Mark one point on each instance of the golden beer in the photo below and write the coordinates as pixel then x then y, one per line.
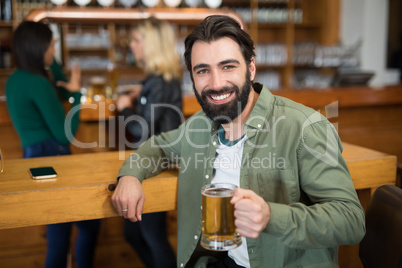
pixel 98 84
pixel 218 228
pixel 113 74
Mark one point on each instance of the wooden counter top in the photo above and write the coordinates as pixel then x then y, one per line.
pixel 81 190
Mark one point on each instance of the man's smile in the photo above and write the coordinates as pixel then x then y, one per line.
pixel 220 98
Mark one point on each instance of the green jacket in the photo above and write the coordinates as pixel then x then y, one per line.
pixel 291 158
pixel 35 106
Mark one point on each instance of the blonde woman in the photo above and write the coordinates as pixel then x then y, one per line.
pixel 159 105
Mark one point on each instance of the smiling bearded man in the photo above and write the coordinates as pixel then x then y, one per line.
pixel 292 215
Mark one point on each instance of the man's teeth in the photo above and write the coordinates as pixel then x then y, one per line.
pixel 220 97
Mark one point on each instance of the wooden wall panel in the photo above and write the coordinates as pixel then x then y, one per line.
pixel 26 247
pixel 10 142
pixel 375 127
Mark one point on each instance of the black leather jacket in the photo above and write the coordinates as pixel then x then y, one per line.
pixel 159 107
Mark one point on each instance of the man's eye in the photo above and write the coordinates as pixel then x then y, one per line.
pixel 202 71
pixel 228 67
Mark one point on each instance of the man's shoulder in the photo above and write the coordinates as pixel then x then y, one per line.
pixel 280 104
pixel 200 120
pixel 293 108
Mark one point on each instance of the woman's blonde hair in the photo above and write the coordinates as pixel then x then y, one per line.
pixel 161 57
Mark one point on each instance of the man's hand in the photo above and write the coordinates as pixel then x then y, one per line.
pixel 251 211
pixel 128 198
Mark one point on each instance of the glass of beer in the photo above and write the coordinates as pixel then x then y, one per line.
pixel 218 228
pixel 98 84
pixel 113 74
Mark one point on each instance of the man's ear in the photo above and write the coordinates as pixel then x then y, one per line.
pixel 252 69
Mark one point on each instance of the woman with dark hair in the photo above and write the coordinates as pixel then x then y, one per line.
pixel 35 92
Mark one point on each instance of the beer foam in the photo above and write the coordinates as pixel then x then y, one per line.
pixel 219 192
pixel 98 80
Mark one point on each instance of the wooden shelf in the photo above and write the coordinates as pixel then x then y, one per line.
pixel 88 49
pixel 320 24
pixel 281 25
pixel 6 71
pixel 182 16
pixel 6 24
pixel 270 66
pixel 309 24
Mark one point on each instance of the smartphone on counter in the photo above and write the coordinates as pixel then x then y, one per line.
pixel 41 173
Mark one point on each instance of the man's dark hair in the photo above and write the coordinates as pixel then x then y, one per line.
pixel 30 42
pixel 215 27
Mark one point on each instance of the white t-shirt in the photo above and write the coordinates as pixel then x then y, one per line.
pixel 227 169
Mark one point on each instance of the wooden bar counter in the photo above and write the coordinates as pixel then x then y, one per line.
pixel 81 190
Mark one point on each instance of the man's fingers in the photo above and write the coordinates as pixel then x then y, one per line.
pixel 128 198
pixel 240 194
pixel 244 228
pixel 251 211
pixel 130 214
pixel 120 206
pixel 116 204
pixel 140 207
pixel 135 210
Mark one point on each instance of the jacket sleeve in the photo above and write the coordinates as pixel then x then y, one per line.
pixel 151 156
pixel 335 216
pixel 58 75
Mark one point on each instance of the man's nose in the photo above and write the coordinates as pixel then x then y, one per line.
pixel 217 81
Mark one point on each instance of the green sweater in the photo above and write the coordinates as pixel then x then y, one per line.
pixel 35 108
pixel 291 158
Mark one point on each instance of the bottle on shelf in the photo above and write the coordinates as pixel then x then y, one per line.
pixel 1 9
pixel 1 57
pixel 6 55
pixel 6 10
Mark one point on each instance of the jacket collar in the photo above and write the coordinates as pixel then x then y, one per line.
pixel 258 115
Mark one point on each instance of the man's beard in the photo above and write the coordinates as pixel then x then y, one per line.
pixel 226 112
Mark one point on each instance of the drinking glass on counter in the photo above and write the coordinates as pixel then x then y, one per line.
pixel 104 85
pixel 97 90
pixel 218 227
pixel 113 74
